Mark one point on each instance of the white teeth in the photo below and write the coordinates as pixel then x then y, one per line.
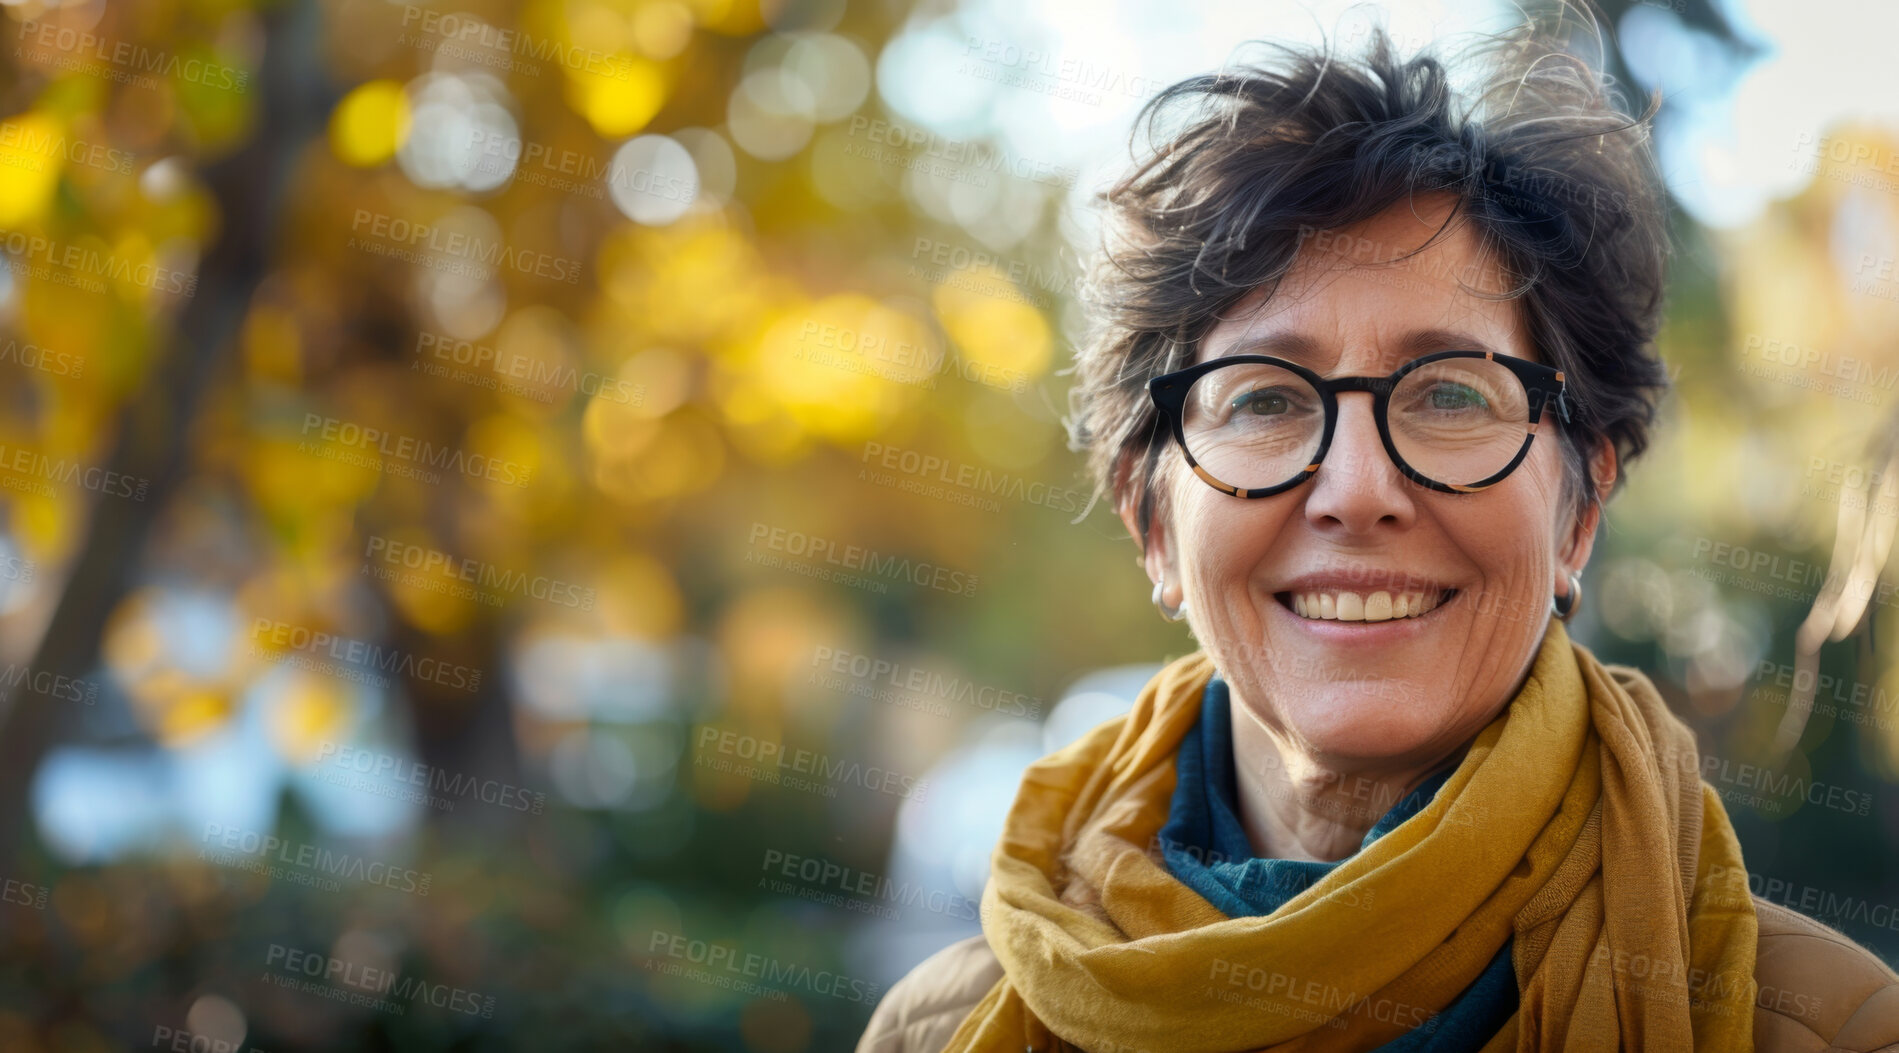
pixel 1379 606
pixel 1352 607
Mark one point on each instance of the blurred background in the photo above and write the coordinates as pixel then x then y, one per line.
pixel 545 524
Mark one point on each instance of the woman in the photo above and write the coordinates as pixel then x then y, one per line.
pixel 1367 367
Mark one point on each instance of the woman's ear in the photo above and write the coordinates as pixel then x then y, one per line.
pixel 1157 555
pixel 1582 538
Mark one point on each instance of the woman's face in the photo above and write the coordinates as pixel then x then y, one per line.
pixel 1373 693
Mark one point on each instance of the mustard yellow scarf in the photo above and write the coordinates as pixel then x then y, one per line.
pixel 1576 822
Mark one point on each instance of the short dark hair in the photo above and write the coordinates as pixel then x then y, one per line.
pixel 1555 175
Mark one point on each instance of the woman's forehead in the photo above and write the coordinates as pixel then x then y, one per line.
pixel 1339 303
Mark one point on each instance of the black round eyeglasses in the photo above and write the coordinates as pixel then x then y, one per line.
pixel 1453 421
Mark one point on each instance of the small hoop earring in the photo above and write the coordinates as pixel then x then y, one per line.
pixel 1564 607
pixel 1172 614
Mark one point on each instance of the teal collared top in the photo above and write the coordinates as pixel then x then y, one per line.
pixel 1207 849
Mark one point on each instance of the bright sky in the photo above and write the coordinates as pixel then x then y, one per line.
pixel 1729 148
pixel 1822 63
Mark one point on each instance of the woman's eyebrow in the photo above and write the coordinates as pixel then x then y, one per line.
pixel 1306 349
pixel 1296 346
pixel 1424 341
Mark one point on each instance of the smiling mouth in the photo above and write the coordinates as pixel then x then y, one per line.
pixel 1337 605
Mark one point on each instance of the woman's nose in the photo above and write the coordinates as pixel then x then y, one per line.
pixel 1357 486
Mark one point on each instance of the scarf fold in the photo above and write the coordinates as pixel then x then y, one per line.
pixel 1206 847
pixel 1576 826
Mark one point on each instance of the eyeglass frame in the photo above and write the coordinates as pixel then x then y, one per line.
pixel 1541 384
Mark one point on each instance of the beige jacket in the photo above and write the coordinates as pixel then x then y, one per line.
pixel 1819 993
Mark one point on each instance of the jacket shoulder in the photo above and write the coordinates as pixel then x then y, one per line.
pixel 921 1011
pixel 1818 989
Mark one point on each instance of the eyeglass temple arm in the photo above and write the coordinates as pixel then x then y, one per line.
pixel 1558 395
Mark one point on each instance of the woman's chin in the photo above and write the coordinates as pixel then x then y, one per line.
pixel 1337 721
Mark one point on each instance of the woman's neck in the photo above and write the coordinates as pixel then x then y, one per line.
pixel 1294 806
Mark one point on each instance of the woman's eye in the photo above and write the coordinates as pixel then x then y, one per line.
pixel 1265 402
pixel 1452 396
